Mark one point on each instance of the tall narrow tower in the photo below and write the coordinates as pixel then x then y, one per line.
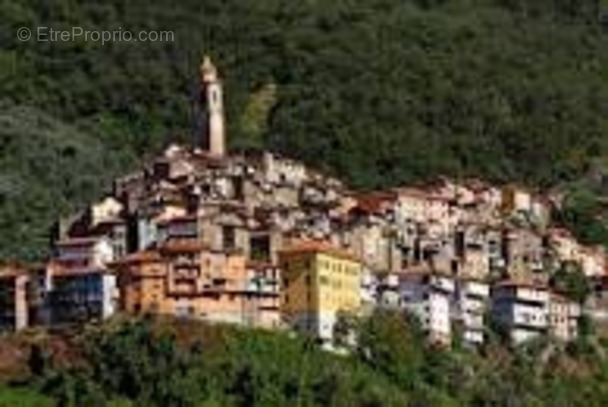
pixel 211 95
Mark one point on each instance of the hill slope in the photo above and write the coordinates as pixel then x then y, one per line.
pixel 179 363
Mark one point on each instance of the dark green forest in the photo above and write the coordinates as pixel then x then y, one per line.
pixel 164 363
pixel 379 92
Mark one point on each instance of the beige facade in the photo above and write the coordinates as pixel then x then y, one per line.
pixel 108 210
pixel 14 281
pixel 184 279
pixel 563 318
pixel 211 88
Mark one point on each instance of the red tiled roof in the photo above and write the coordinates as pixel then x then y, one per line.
pixel 373 202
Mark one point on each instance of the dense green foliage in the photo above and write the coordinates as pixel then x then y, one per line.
pixel 147 363
pixel 37 178
pixel 23 398
pixel 151 366
pixel 378 91
pixel 583 212
pixel 570 280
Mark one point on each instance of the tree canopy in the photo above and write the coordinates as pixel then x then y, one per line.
pixel 181 364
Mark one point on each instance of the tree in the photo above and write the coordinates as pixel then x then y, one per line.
pixel 392 343
pixel 570 280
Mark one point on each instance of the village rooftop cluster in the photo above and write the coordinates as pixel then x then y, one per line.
pixel 259 240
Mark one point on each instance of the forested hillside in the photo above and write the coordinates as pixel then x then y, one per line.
pixel 186 364
pixel 377 91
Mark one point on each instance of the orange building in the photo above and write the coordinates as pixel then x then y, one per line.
pixel 262 295
pixel 185 279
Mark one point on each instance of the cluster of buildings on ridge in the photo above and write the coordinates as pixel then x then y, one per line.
pixel 260 240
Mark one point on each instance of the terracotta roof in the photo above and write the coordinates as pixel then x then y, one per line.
pixel 255 264
pixel 314 246
pixel 427 194
pixel 11 269
pixel 416 269
pixel 561 232
pixel 421 271
pixel 79 241
pixel 522 284
pixel 59 269
pixel 145 256
pixel 517 188
pixel 373 202
pixel 411 191
pixel 477 185
pixel 179 246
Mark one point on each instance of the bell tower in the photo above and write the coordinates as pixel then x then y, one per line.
pixel 211 96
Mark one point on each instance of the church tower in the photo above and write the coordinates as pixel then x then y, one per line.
pixel 211 96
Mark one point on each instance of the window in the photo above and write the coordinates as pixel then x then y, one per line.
pixel 229 237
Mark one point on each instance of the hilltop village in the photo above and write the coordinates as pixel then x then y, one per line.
pixel 261 240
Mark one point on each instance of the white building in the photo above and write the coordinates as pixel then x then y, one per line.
pixel 429 297
pixel 80 287
pixel 470 306
pixel 93 252
pixel 387 291
pixel 369 289
pixel 563 318
pixel 522 309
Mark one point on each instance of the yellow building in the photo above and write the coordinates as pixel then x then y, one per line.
pixel 318 283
